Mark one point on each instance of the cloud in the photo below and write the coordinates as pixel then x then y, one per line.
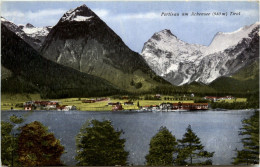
pixel 13 14
pixel 45 13
pixel 102 12
pixel 51 16
pixel 38 18
pixel 248 13
pixel 147 15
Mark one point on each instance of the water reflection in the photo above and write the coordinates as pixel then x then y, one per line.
pixel 218 130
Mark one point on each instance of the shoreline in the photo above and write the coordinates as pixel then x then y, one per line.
pixel 135 111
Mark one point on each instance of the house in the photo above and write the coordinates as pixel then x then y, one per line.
pixel 155 107
pixel 112 104
pixel 230 97
pixel 37 103
pixel 61 108
pixel 89 101
pixel 66 108
pixel 101 99
pixel 124 97
pixel 166 106
pixel 29 107
pixel 157 96
pixel 190 106
pixel 176 106
pixel 213 98
pixel 71 107
pixel 117 107
pixel 28 103
pixel 226 98
pixel 145 108
pixel 44 103
pixel 128 103
pixel 51 105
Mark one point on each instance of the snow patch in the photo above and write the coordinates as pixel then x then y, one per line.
pixel 75 15
pixel 3 19
pixel 82 18
pixel 36 31
pixel 165 53
pixel 226 40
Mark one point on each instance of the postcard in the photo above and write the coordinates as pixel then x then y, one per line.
pixel 106 83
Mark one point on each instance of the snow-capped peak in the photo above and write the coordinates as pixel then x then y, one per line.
pixel 180 62
pixel 28 25
pixel 166 31
pixel 79 14
pixel 3 19
pixel 32 31
pixel 223 40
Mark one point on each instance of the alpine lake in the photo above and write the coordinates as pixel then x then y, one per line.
pixel 218 130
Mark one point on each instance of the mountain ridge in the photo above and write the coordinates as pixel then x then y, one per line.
pixel 92 47
pixel 32 35
pixel 30 73
pixel 179 62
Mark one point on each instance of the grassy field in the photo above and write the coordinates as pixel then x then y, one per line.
pixel 9 101
pixel 234 100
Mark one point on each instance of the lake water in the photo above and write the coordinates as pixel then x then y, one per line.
pixel 218 130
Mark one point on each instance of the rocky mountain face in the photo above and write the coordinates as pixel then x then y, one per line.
pixel 81 40
pixel 37 33
pixel 24 70
pixel 180 62
pixel 30 34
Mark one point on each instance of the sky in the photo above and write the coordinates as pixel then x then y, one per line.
pixel 135 22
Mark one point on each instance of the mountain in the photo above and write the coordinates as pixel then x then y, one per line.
pixel 81 40
pixel 26 71
pixel 179 62
pixel 245 80
pixel 18 31
pixel 34 36
pixel 37 33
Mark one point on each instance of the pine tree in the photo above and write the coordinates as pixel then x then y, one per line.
pixel 162 147
pixel 7 145
pixel 38 147
pixel 191 151
pixel 250 153
pixel 138 105
pixel 99 144
pixel 9 141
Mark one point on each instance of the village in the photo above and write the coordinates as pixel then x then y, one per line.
pixel 152 103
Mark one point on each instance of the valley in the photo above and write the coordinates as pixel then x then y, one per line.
pixel 82 57
pixel 116 83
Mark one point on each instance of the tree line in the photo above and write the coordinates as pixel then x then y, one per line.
pixel 99 144
pixel 235 105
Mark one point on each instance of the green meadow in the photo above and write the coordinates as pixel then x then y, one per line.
pixel 14 101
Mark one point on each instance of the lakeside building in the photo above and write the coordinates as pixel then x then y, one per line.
pixel 47 105
pixel 215 98
pixel 128 103
pixel 117 107
pixel 66 108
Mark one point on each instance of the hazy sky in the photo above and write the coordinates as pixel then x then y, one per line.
pixel 136 22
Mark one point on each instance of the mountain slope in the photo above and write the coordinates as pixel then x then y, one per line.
pixel 37 33
pixel 31 73
pixel 81 40
pixel 18 31
pixel 180 62
pixel 246 80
